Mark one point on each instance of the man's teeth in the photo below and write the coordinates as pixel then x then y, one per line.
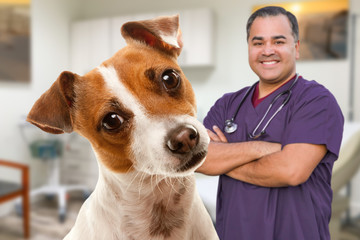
pixel 268 63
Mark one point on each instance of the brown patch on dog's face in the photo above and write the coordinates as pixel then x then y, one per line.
pixel 165 221
pixel 93 106
pixel 155 80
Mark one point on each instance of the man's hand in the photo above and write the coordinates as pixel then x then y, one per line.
pixel 217 135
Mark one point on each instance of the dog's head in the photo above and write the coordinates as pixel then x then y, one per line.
pixel 137 108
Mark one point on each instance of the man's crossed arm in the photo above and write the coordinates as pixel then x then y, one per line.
pixel 261 163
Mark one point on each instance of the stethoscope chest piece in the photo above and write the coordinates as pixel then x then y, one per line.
pixel 230 126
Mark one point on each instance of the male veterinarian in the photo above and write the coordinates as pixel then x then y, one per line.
pixel 274 144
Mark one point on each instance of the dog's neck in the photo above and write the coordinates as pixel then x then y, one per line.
pixel 146 205
pixel 139 185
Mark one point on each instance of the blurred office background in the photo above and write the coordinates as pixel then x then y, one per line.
pixel 79 35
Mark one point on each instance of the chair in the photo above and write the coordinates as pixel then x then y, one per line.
pixel 49 149
pixel 9 191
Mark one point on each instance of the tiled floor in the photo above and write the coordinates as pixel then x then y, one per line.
pixel 45 224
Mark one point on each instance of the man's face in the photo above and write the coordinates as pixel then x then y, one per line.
pixel 272 49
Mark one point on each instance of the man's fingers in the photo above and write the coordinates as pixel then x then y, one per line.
pixel 220 134
pixel 213 136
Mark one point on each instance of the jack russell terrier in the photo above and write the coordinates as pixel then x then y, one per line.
pixel 137 109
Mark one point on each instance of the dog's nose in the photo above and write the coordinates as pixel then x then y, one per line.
pixel 183 140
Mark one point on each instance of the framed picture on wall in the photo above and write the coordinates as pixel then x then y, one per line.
pixel 323 27
pixel 15 41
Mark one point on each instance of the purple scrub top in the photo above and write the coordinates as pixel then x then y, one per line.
pixel 248 212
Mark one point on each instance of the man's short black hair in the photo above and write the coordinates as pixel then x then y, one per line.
pixel 274 11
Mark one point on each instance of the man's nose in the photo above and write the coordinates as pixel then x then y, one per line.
pixel 268 49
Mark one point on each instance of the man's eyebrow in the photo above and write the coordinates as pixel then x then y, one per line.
pixel 257 38
pixel 278 37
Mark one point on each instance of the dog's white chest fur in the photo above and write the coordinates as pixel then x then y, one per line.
pixel 143 208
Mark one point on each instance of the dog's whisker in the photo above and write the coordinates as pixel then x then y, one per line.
pixel 182 181
pixel 173 185
pixel 131 182
pixel 168 181
pixel 158 182
pixel 151 184
pixel 169 197
pixel 154 178
pixel 139 176
pixel 142 179
pixel 187 183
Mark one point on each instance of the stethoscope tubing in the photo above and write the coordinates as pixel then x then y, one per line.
pixel 231 127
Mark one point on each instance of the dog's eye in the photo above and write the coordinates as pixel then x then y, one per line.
pixel 170 79
pixel 112 121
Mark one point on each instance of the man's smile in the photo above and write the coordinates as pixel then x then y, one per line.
pixel 269 62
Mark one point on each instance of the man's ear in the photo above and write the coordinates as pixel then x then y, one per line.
pixel 297 49
pixel 162 33
pixel 52 111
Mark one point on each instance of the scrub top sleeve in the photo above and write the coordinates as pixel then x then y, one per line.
pixel 317 120
pixel 217 113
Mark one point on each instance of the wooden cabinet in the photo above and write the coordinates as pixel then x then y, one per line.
pixel 95 40
pixel 198 35
pixel 90 44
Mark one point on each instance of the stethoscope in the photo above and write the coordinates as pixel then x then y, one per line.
pixel 231 127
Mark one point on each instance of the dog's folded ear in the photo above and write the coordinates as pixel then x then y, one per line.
pixel 52 111
pixel 162 33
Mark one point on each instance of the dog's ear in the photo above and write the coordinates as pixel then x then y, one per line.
pixel 162 33
pixel 51 112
